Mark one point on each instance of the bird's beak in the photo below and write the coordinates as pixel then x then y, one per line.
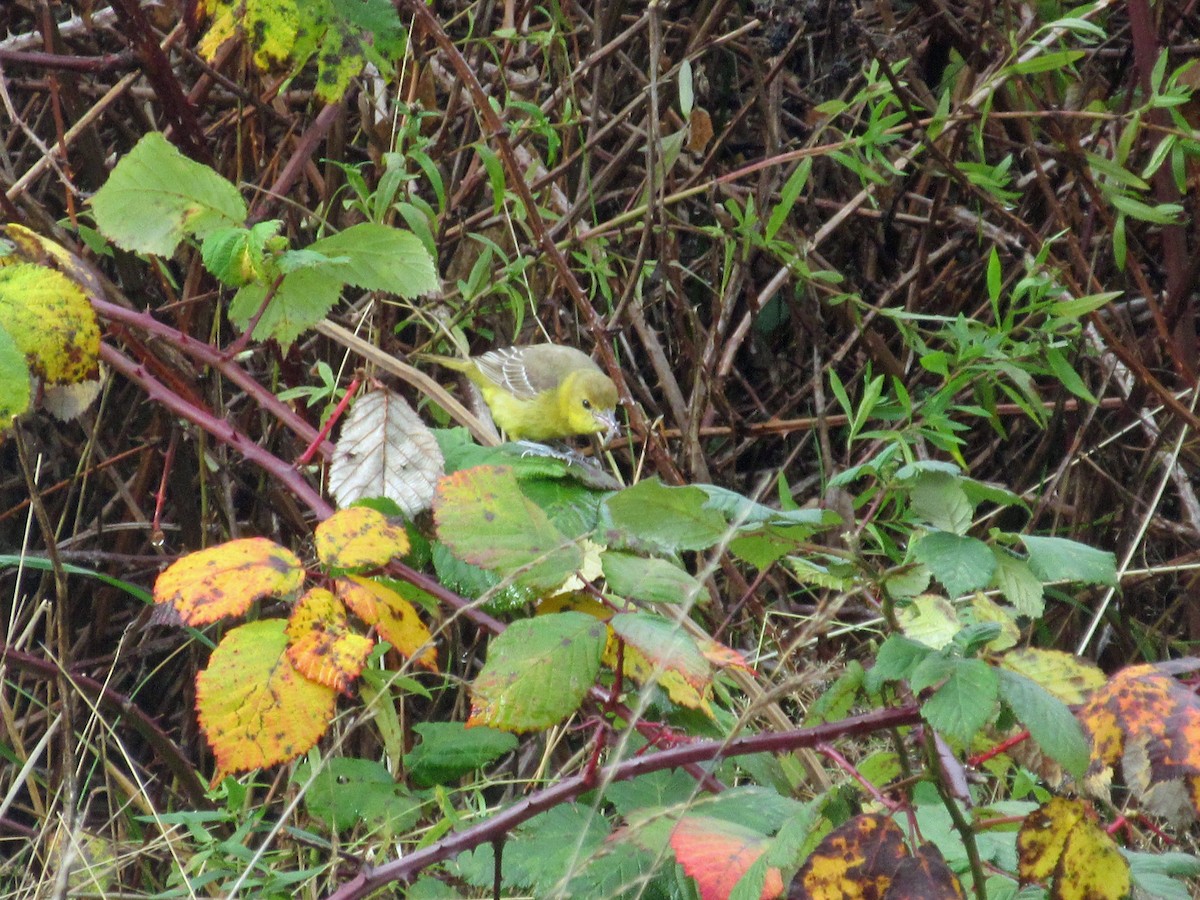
pixel 608 418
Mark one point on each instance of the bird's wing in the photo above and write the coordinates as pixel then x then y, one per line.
pixel 507 368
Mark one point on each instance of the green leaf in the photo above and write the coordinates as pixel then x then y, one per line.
pixel 654 789
pixel 788 195
pixel 1159 214
pixel 667 518
pixel 929 619
pixel 960 563
pixel 1046 62
pixel 658 649
pixel 14 381
pixel 472 581
pixel 965 703
pixel 1066 374
pixel 449 750
pixel 982 492
pixel 571 506
pixel 483 516
pixel 897 659
pixel 939 500
pixel 380 258
pixel 995 277
pixel 687 95
pixel 538 671
pixel 302 299
pixel 746 513
pixel 1018 584
pixel 1081 306
pixel 1060 559
pixel 932 670
pixel 837 701
pixel 1120 244
pixel 762 549
pixel 552 844
pixel 349 791
pixel 652 580
pixel 236 255
pixel 156 197
pixel 907 581
pixel 1049 720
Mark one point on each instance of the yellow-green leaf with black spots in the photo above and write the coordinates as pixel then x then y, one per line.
pixel 359 537
pixel 49 319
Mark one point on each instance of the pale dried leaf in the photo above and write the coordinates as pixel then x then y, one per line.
pixel 385 450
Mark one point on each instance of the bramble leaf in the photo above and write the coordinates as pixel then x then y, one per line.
pixel 156 197
pixel 861 855
pixel 651 579
pixel 255 708
pixel 392 616
pixel 658 650
pixel 323 648
pixel 960 563
pixel 357 538
pixel 1061 840
pixel 665 518
pixel 537 672
pixel 224 580
pixel 716 853
pixel 484 518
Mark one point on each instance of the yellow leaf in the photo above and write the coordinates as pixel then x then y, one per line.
pixel 359 537
pixel 224 580
pixel 1043 837
pixel 392 616
pixel 51 321
pixel 1062 840
pixel 857 859
pixel 255 708
pixel 268 26
pixel 656 650
pixel 323 647
pixel 1064 675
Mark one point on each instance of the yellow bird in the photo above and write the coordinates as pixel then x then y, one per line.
pixel 541 392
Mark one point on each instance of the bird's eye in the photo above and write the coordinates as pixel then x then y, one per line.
pixel 587 404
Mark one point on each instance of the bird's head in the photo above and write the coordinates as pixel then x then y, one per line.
pixel 589 401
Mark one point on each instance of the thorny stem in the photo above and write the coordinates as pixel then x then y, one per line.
pixel 961 825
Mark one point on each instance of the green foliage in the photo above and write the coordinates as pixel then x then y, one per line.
pixel 156 198
pixel 344 792
pixel 912 601
pixel 449 750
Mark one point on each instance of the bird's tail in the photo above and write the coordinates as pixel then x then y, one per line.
pixel 458 364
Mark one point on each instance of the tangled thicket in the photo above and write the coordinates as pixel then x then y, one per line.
pixel 947 165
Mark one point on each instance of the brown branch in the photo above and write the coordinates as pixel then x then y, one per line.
pixel 406 868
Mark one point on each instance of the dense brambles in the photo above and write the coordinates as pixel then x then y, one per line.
pixel 916 279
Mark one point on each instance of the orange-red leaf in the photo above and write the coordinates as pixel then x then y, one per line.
pixel 322 646
pixel 1149 723
pixel 717 853
pixel 224 580
pixel 721 656
pixel 358 537
pixel 392 616
pixel 857 859
pixel 255 708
